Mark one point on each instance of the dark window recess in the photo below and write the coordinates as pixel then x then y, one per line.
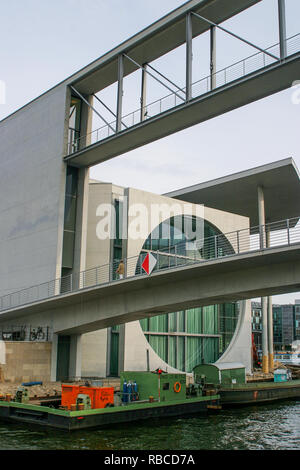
pixel 70 217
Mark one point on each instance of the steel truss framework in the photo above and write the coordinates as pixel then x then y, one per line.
pixel 182 96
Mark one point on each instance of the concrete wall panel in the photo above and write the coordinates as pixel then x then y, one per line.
pixel 32 177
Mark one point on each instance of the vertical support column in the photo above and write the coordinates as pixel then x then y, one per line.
pixel 144 93
pixel 54 358
pixel 75 357
pixel 264 306
pixel 261 217
pixel 265 355
pixel 120 92
pixel 270 318
pixel 189 56
pixel 213 57
pixel 282 28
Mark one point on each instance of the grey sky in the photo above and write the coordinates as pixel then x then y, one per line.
pixel 43 42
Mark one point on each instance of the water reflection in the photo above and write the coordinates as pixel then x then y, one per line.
pixel 268 427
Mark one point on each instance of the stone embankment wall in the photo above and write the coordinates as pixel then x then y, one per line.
pixel 26 361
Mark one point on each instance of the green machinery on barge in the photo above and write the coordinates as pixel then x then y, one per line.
pixel 157 395
pixel 229 382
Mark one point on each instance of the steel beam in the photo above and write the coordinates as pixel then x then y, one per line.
pixel 107 107
pixel 189 56
pixel 120 92
pixel 213 57
pixel 153 76
pixel 91 107
pixel 166 78
pixel 236 36
pixel 144 93
pixel 282 28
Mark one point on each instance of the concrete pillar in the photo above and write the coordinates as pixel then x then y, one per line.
pixel 189 56
pixel 270 319
pixel 261 217
pixel 213 57
pixel 270 334
pixel 282 28
pixel 75 357
pixel 54 358
pixel 264 300
pixel 120 91
pixel 144 92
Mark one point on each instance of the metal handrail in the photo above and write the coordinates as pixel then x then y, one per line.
pixel 248 240
pixel 224 71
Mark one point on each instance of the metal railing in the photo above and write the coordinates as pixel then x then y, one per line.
pixel 227 75
pixel 278 234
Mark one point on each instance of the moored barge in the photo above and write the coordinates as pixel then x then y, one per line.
pixel 156 395
pixel 228 380
pixel 260 392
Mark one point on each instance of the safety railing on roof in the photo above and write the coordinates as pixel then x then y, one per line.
pixel 250 240
pixel 201 87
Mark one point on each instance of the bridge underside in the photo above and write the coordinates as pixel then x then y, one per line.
pixel 274 271
pixel 255 86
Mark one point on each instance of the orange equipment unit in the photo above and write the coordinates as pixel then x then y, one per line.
pixel 69 395
pixel 101 397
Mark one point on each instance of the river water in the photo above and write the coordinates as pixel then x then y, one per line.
pixel 267 427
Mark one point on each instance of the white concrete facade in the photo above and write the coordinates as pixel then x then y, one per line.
pixel 32 178
pixel 137 353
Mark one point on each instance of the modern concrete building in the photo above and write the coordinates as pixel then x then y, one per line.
pixel 174 341
pixel 50 216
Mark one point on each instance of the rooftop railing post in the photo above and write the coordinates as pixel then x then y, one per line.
pixel 238 241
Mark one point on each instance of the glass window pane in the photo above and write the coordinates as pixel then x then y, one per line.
pixel 172 351
pixel 194 353
pixel 159 344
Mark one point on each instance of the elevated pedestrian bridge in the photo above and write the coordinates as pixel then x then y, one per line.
pixel 242 267
pixel 253 78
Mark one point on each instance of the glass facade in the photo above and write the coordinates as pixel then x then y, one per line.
pixel 277 328
pixel 173 237
pixel 200 335
pixel 286 325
